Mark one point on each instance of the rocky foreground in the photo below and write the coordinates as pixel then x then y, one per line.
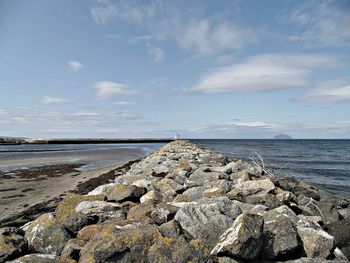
pixel 185 203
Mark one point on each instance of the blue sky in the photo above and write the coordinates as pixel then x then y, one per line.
pixel 205 69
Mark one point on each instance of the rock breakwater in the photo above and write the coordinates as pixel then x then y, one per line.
pixel 185 203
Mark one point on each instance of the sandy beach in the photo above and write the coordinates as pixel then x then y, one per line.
pixel 27 188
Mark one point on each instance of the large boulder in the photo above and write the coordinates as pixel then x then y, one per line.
pixel 243 239
pixel 280 235
pixel 12 243
pixel 341 232
pixel 317 243
pixel 203 222
pixel 123 242
pixel 72 249
pixel 88 232
pixel 46 235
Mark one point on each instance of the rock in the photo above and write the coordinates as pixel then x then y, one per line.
pixel 42 258
pixel 223 205
pixel 101 190
pixel 12 243
pixel 121 192
pixel 203 222
pixel 243 239
pixel 194 192
pixel 200 177
pixel 88 232
pixel 72 249
pixel 314 260
pixel 341 232
pixel 280 235
pixel 67 206
pixel 170 229
pixel 125 242
pixel 213 192
pixel 240 177
pixel 141 211
pixel 285 197
pixel 316 242
pixel 177 251
pixel 259 186
pixel 152 196
pixel 101 210
pixel 268 200
pixel 344 213
pixel 163 213
pixel 46 235
pixel 168 185
pixel 75 222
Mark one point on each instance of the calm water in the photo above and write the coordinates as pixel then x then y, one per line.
pixel 92 155
pixel 325 163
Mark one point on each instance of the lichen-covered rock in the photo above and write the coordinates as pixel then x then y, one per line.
pixel 72 249
pixel 121 192
pixel 12 243
pixel 243 239
pixel 123 242
pixel 200 177
pixel 170 229
pixel 178 251
pixel 280 235
pixel 268 200
pixel 88 232
pixel 67 206
pixel 42 258
pixel 141 211
pixel 46 235
pixel 203 221
pixel 317 243
pixel 259 186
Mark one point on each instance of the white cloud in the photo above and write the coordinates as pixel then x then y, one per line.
pixel 75 65
pixel 109 89
pixel 186 23
pixel 264 73
pixel 329 91
pixel 124 103
pixel 321 22
pixel 48 100
pixel 156 53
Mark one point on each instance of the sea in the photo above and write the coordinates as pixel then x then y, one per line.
pixel 324 163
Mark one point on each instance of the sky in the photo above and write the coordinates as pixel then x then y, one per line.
pixel 204 69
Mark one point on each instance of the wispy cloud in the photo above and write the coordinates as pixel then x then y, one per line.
pixel 124 103
pixel 329 91
pixel 156 53
pixel 186 23
pixel 48 100
pixel 75 65
pixel 109 89
pixel 321 23
pixel 264 73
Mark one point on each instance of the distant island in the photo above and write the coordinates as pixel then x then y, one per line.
pixel 282 137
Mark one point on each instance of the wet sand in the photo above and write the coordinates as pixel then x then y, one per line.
pixel 26 193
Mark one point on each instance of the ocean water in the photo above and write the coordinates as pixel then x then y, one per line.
pixel 324 163
pixel 93 156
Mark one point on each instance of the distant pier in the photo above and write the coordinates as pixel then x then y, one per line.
pixel 99 140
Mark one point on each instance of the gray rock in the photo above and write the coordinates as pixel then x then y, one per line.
pixel 344 213
pixel 316 242
pixel 46 235
pixel 194 192
pixel 203 221
pixel 120 192
pixel 200 177
pixel 268 200
pixel 280 235
pixel 243 239
pixel 341 232
pixel 152 196
pixel 12 243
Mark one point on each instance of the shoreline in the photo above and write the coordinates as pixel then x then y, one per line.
pixel 21 203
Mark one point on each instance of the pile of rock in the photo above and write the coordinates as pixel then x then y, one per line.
pixel 185 203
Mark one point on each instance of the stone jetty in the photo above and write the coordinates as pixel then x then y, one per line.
pixel 185 203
